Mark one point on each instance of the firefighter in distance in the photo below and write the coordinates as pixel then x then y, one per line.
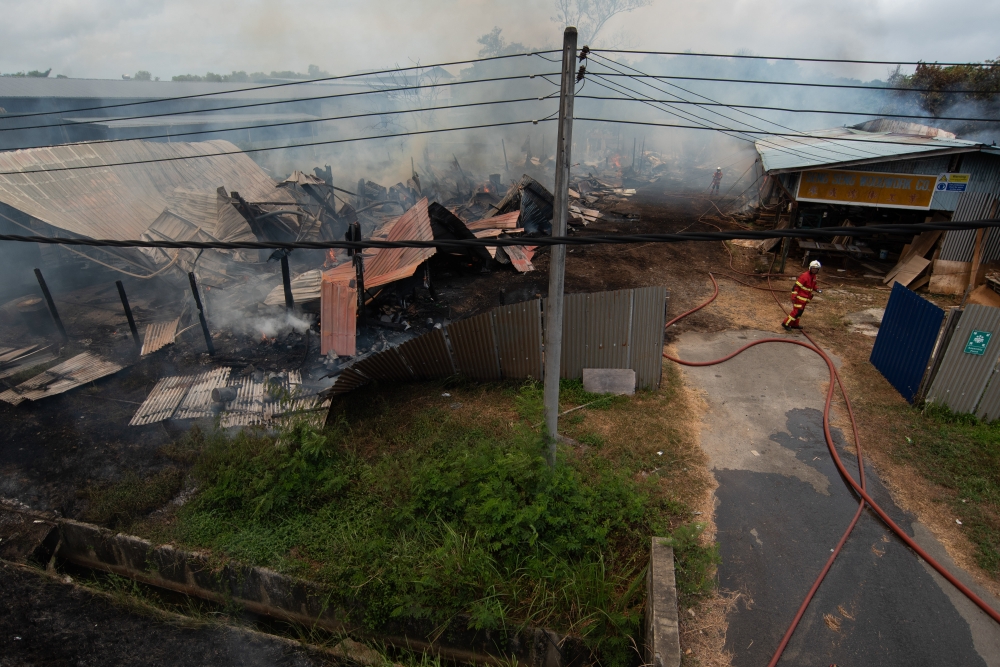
pixel 802 293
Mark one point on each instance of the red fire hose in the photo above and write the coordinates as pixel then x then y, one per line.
pixel 859 488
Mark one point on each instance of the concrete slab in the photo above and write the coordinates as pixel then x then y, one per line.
pixel 609 380
pixel 663 638
pixel 781 507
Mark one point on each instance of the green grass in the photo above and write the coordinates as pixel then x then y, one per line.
pixel 962 454
pixel 122 503
pixel 406 507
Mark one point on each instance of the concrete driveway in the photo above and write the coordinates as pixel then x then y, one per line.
pixel 781 507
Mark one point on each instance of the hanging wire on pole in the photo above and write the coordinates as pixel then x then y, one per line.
pixel 283 84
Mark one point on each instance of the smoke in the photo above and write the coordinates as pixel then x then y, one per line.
pixel 276 327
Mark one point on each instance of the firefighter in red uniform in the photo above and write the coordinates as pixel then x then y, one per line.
pixel 802 293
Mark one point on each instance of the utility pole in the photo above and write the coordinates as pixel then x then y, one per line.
pixel 557 257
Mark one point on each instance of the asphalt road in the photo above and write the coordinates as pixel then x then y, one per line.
pixel 781 507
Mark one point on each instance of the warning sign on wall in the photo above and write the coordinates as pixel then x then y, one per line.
pixel 867 188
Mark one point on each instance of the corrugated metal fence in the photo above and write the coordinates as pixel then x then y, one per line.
pixel 619 329
pixel 963 380
pixel 906 339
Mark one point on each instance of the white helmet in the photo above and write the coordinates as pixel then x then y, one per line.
pixel 814 264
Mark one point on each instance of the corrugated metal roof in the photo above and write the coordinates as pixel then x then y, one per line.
pixel 79 370
pixel 338 318
pixel 122 202
pixel 197 402
pixel 520 256
pixel 159 335
pixel 231 119
pixel 505 221
pixel 386 366
pixel 414 225
pixel 163 400
pixel 961 377
pixel 519 339
pixel 834 147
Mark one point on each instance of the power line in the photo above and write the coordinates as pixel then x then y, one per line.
pixel 691 92
pixel 274 148
pixel 808 60
pixel 818 111
pixel 764 133
pixel 273 102
pixel 277 85
pixel 803 83
pixel 596 239
pixel 785 149
pixel 290 122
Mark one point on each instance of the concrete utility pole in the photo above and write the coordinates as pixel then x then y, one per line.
pixel 557 264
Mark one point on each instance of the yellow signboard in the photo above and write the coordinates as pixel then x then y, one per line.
pixel 867 188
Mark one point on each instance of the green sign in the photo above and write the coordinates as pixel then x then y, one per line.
pixel 978 341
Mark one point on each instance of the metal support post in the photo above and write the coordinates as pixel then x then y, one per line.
pixel 557 257
pixel 128 315
pixel 201 314
pixel 286 282
pixel 52 306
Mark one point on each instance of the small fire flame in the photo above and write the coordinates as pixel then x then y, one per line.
pixel 331 258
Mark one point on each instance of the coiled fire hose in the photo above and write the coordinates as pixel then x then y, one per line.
pixel 859 488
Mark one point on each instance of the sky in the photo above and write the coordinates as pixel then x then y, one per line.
pixel 109 38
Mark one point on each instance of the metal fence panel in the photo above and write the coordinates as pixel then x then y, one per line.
pixel 906 339
pixel 475 346
pixel 385 366
pixel 989 407
pixel 609 323
pixel 648 317
pixel 428 355
pixel 960 381
pixel 574 343
pixel 519 339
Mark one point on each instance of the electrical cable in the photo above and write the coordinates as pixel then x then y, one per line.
pixel 808 85
pixel 809 60
pixel 789 110
pixel 756 132
pixel 292 122
pixel 265 149
pixel 277 85
pixel 274 102
pixel 576 240
pixel 691 92
pixel 859 489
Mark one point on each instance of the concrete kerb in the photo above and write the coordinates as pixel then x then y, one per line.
pixel 663 638
pixel 268 593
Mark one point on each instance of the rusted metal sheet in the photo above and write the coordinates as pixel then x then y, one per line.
pixel 576 308
pixel 520 257
pixel 428 355
pixel 519 339
pixel 385 366
pixel 338 318
pixel 474 344
pixel 962 377
pixel 609 324
pixel 505 221
pixel 197 403
pixel 648 319
pixel 414 225
pixel 159 335
pixel 79 370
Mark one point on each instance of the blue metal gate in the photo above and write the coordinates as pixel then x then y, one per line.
pixel 906 339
